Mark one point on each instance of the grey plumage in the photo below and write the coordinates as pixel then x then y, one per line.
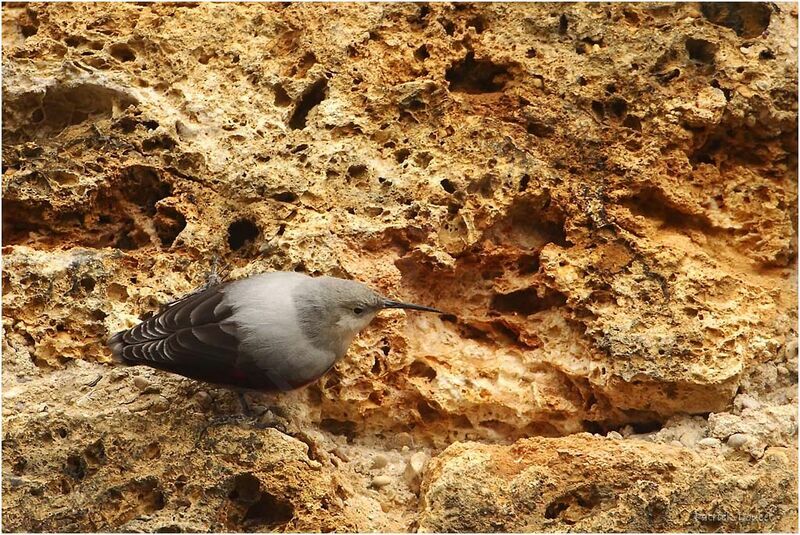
pixel 274 331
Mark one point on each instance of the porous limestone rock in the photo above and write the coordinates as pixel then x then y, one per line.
pixel 603 196
pixel 584 483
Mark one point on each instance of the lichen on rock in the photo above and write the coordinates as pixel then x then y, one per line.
pixel 603 196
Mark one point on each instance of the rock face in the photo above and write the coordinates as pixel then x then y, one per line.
pixel 581 483
pixel 605 197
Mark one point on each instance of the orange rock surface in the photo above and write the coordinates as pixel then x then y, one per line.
pixel 604 196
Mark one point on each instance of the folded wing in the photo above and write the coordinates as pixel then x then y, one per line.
pixel 193 336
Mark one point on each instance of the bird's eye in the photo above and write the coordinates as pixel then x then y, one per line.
pixel 358 311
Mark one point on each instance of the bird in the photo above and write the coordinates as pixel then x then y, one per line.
pixel 274 331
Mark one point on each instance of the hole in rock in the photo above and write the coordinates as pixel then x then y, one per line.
pixel 29 30
pixel 504 331
pixel 269 511
pixel 153 500
pixel 578 503
pixel 448 25
pixel 484 185
pixel 421 54
pixel 701 50
pixel 422 369
pixel 122 52
pixel 666 77
pixel 477 22
pixel 73 41
pixel 64 178
pixel 357 171
pixel 152 451
pixel 563 24
pixel 67 105
pixel 75 467
pixel 344 428
pixel 240 233
pixel 401 155
pixel 618 107
pixel 528 264
pixel 766 54
pixel 143 185
pixel 708 152
pixel 286 196
pixel 646 427
pixel 448 185
pixel 526 302
pixel 477 76
pixel 19 466
pixel 311 98
pixel 427 411
pixel 163 142
pixel 420 19
pixel 168 223
pixel 300 148
pixel 423 159
pixel 169 528
pixel 539 129
pixel 747 19
pixel 281 96
pixel 599 109
pixel 633 122
pixel 88 284
pixel 95 453
pixel 246 488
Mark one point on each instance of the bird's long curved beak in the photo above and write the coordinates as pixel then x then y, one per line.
pixel 388 303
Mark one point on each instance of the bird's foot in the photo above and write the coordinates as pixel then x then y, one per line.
pixel 216 275
pixel 254 417
pixel 228 419
pixel 264 417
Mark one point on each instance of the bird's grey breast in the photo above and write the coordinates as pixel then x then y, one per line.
pixel 270 333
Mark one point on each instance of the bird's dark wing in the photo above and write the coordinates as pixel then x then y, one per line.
pixel 194 333
pixel 195 337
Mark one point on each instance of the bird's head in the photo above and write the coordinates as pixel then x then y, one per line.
pixel 332 311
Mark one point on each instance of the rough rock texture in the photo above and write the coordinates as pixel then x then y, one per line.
pixel 603 195
pixel 582 483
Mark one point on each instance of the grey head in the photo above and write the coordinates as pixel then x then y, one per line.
pixel 332 311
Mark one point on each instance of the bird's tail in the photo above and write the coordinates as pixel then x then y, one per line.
pixel 117 344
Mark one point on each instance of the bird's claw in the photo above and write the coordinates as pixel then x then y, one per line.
pixel 249 418
pixel 228 419
pixel 216 275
